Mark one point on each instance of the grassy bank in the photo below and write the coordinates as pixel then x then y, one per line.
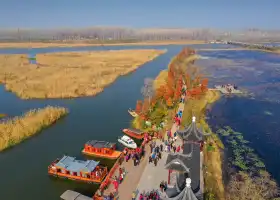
pixel 213 175
pixel 95 43
pixel 69 74
pixel 17 129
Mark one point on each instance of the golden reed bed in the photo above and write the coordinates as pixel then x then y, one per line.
pixel 17 129
pixel 81 44
pixel 69 74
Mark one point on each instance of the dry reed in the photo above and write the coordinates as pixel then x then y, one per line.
pixel 80 44
pixel 17 129
pixel 69 74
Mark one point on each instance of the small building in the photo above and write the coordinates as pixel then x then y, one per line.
pixel 187 165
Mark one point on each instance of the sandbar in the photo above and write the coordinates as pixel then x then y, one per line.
pixel 82 44
pixel 15 130
pixel 69 74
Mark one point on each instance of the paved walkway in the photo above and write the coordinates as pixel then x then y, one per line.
pixel 154 175
pixel 131 179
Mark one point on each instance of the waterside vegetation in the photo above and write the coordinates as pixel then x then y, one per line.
pixel 162 95
pixel 167 87
pixel 15 130
pixel 69 74
pixel 249 178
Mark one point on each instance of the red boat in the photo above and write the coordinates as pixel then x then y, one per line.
pixel 87 171
pixel 135 133
pixel 101 149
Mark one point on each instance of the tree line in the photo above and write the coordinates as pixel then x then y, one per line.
pixel 157 103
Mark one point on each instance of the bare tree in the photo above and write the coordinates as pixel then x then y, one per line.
pixel 243 186
pixel 148 89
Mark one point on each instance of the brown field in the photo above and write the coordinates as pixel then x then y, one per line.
pixel 69 74
pixel 17 129
pixel 44 45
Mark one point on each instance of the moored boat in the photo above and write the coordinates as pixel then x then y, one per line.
pixel 101 149
pixel 127 141
pixel 135 133
pixel 132 112
pixel 87 171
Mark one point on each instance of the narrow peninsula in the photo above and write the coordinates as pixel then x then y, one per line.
pixel 17 129
pixel 69 74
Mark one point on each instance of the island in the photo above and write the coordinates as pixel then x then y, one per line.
pixel 69 74
pixel 17 129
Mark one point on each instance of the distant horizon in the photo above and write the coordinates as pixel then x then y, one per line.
pixel 127 27
pixel 218 14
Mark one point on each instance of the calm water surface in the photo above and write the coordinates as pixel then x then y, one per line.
pixel 24 168
pixel 258 117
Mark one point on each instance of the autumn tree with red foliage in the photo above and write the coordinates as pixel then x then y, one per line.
pixel 169 102
pixel 160 92
pixel 169 93
pixel 146 106
pixel 153 102
pixel 139 105
pixel 204 85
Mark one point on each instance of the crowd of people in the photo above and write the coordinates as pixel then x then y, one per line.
pixel 134 154
pixel 152 195
pixel 155 152
pixel 163 186
pixel 170 145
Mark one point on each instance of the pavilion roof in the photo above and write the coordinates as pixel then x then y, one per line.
pixel 188 161
pixel 191 132
pixel 185 194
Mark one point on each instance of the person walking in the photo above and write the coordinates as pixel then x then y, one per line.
pixel 161 147
pixel 174 148
pixel 133 195
pixel 155 162
pixel 151 146
pixel 178 149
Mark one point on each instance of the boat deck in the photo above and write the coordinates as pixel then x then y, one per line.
pixel 114 155
pixel 78 178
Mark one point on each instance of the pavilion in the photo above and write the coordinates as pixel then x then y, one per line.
pixel 186 165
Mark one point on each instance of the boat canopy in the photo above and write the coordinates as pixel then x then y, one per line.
pixel 72 195
pixel 73 165
pixel 137 131
pixel 100 144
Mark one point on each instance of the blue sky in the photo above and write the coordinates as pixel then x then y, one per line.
pixel 232 14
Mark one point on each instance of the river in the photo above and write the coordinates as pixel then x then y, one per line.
pixel 24 167
pixel 257 117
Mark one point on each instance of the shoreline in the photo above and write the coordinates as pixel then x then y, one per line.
pixel 213 159
pixel 50 44
pixel 83 73
pixel 17 129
